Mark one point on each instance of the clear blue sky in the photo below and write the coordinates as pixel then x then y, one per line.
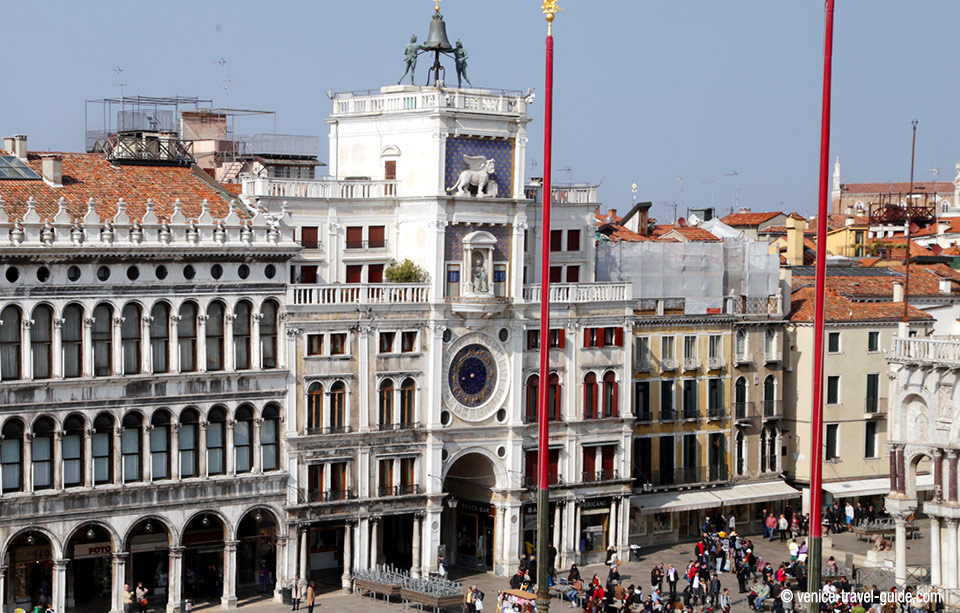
pixel 646 91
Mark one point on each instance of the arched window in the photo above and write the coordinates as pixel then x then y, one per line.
pixel 532 400
pixel 242 439
pixel 102 449
pixel 268 334
pixel 611 395
pixel 772 449
pixel 216 441
pixel 270 438
pixel 314 407
pixel 740 344
pixel 590 396
pixel 130 449
pixel 189 443
pixel 385 404
pixel 41 341
pixel 770 344
pixel 72 445
pixel 338 396
pixel 408 403
pixel 160 446
pixel 763 450
pixel 241 335
pixel 130 338
pixel 741 453
pixel 187 337
pixel 770 396
pixel 10 324
pixel 740 398
pixel 71 341
pixel 554 394
pixel 41 450
pixel 160 337
pixel 11 456
pixel 102 336
pixel 214 331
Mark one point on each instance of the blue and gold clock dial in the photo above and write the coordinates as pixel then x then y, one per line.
pixel 473 375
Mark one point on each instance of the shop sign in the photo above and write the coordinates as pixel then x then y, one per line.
pixel 91 550
pixel 474 507
pixel 33 553
pixel 595 503
pixel 149 542
pixel 593 528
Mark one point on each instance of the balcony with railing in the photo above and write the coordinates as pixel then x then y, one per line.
pixel 644 416
pixel 579 292
pixel 531 482
pixel 405 99
pixel 409 489
pixel 772 409
pixel 688 475
pixel 875 407
pixel 929 351
pixel 329 430
pixel 564 194
pixel 322 188
pixel 597 476
pixel 716 363
pixel 691 413
pixel 744 411
pixel 365 244
pixel 691 364
pixel 716 412
pixel 332 495
pixel 358 293
pixel 644 366
pixel 668 415
pixel 407 425
pixel 668 364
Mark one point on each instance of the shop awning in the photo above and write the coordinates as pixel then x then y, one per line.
pixel 871 487
pixel 668 502
pixel 755 492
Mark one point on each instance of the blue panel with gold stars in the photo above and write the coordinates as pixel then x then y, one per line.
pixel 501 150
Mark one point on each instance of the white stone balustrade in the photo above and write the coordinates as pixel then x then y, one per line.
pixel 939 351
pixel 324 187
pixel 579 292
pixel 359 293
pixel 406 99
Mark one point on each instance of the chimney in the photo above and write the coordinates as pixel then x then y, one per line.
pixel 20 146
pixel 946 286
pixel 897 291
pixel 795 228
pixel 8 144
pixel 744 209
pixel 611 215
pixel 52 169
pixel 848 221
pixel 643 225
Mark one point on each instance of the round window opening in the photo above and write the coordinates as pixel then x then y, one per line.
pixel 270 271
pixel 501 451
pixel 504 335
pixel 12 274
pixel 216 271
pixel 502 415
pixel 189 272
pixel 133 273
pixel 243 271
pixel 161 272
pixel 445 418
pixel 43 274
pixel 444 455
pixel 73 273
pixel 447 335
pixel 103 273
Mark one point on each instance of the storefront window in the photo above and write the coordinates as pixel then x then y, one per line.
pixel 593 528
pixel 638 522
pixel 662 522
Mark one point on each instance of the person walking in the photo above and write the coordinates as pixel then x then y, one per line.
pixel 141 595
pixel 128 597
pixel 468 599
pixel 770 527
pixel 784 526
pixel 725 601
pixel 296 592
pixel 673 575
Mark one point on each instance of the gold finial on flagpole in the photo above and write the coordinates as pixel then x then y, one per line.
pixel 436 5
pixel 550 10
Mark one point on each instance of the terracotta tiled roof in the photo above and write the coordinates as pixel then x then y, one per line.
pixel 234 189
pixel 894 247
pixel 839 309
pixel 924 281
pixel 91 175
pixel 850 189
pixel 693 234
pixel 951 251
pixel 931 230
pixel 748 219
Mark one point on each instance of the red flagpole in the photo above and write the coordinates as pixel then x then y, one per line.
pixel 814 574
pixel 543 415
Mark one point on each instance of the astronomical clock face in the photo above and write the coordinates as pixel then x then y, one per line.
pixel 476 376
pixel 472 376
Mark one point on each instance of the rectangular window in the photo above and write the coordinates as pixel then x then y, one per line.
pixel 308 275
pixel 715 346
pixel 715 397
pixel 354 273
pixel 533 339
pixel 385 477
pixel 355 237
pixel 159 343
pixel 643 350
pixel 873 392
pixel 215 458
pixel 556 240
pixel 408 342
pixel 666 401
pixel 870 440
pixel 408 475
pixel 42 449
pixel 500 280
pixel 666 348
pixel 268 444
pixel 11 454
pixel 833 342
pixel 378 238
pixel 309 237
pixel 556 274
pixel 375 273
pixel 873 341
pixel 188 450
pixel 557 338
pixel 102 461
pixel 159 453
pixel 314 344
pixel 691 392
pixel 338 344
pixel 573 274
pixel 130 449
pixel 241 445
pixel 689 347
pixel 832 451
pixel 610 337
pixel 453 280
pixel 315 482
pixel 589 463
pixel 641 400
pixel 668 456
pixel 338 480
pixel 573 240
pixel 390 170
pixel 72 460
pixel 386 341
pixel 101 333
pixel 833 389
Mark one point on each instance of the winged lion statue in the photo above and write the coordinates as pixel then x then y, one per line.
pixel 478 175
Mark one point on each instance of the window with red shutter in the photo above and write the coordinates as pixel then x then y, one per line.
pixel 377 237
pixel 390 170
pixel 573 274
pixel 308 274
pixel 309 237
pixel 553 468
pixel 354 273
pixel 589 463
pixel 556 274
pixel 599 335
pixel 608 452
pixel 553 401
pixel 618 337
pixel 533 339
pixel 573 240
pixel 355 237
pixel 590 396
pixel 375 273
pixel 530 467
pixel 558 339
pixel 532 398
pixel 556 240
pixel 610 393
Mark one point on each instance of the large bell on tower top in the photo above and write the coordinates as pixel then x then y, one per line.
pixel 437 38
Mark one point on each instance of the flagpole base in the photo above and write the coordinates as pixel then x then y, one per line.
pixel 814 571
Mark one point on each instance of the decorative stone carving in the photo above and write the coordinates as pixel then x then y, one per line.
pixel 477 175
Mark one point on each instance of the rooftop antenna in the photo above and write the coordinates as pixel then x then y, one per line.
pixel 226 82
pixel 119 72
pixel 736 202
pixel 679 181
pixel 569 171
pixel 634 188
